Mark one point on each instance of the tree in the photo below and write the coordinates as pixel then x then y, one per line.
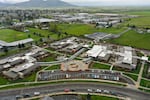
pixel 96 25
pixel 19 46
pixel 5 49
pixel 53 28
pixel 66 33
pixel 48 36
pixel 23 45
pixel 29 36
pixel 88 97
pixel 41 40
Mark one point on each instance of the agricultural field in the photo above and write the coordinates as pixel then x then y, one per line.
pixel 82 29
pixel 134 39
pixel 141 21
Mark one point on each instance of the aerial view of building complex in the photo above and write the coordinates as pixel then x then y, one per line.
pixel 74 49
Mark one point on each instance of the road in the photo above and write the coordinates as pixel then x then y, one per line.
pixel 79 87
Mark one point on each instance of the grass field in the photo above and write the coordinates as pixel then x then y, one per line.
pixel 113 30
pixel 140 13
pixel 9 35
pixel 134 77
pixel 45 33
pixel 133 39
pixel 145 83
pixel 49 58
pixel 94 97
pixel 53 67
pixel 100 66
pixel 141 21
pixel 145 71
pixel 82 29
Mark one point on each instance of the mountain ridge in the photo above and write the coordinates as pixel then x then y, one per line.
pixel 38 3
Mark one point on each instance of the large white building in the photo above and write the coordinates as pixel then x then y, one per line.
pixel 123 58
pixel 97 50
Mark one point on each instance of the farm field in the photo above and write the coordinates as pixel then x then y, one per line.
pixel 133 39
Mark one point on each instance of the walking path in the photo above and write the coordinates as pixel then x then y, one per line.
pixel 140 74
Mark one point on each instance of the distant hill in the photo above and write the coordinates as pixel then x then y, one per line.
pixel 4 4
pixel 39 3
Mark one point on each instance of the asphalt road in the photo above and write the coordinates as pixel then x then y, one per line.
pixel 79 87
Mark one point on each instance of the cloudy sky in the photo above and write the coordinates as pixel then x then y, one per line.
pixel 96 2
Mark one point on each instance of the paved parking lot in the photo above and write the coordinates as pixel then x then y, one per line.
pixel 90 74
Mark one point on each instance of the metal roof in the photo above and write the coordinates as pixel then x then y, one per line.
pixel 3 43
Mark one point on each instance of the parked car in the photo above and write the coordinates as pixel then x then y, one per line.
pixel 36 93
pixel 66 90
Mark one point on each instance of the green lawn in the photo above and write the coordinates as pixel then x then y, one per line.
pixel 94 97
pixel 134 77
pixel 112 30
pixel 45 33
pixel 10 35
pixel 77 29
pixel 145 83
pixel 54 67
pixel 134 39
pixel 145 71
pixel 100 66
pixel 49 58
pixel 141 13
pixel 82 29
pixel 142 21
pixel 13 51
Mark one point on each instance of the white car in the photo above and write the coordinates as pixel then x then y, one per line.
pixel 106 91
pixel 98 90
pixel 89 90
pixel 36 93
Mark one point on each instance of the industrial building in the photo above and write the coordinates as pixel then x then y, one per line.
pixel 125 57
pixel 101 36
pixel 69 45
pixel 15 43
pixel 99 52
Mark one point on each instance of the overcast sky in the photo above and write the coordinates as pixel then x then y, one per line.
pixel 97 2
